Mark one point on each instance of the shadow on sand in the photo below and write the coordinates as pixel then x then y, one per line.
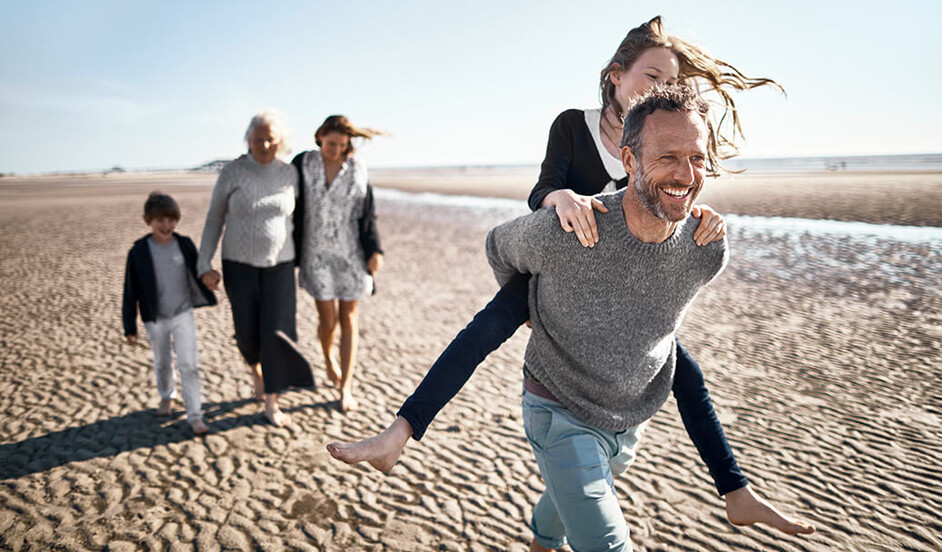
pixel 141 429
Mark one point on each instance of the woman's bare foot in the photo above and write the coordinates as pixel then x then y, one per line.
pixel 333 374
pixel 347 402
pixel 258 382
pixel 165 408
pixel 199 427
pixel 744 507
pixel 537 547
pixel 381 451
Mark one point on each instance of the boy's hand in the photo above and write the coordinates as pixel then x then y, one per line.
pixel 211 279
pixel 132 339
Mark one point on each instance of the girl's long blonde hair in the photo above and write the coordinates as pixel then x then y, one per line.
pixel 699 70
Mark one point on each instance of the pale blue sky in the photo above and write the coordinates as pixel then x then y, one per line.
pixel 88 85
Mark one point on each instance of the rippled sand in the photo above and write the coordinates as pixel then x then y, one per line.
pixel 822 354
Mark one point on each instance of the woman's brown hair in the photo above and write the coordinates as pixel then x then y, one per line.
pixel 339 123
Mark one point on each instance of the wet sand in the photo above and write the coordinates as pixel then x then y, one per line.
pixel 824 370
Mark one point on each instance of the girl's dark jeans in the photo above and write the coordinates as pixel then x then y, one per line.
pixel 497 321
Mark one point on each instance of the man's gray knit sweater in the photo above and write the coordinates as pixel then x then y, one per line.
pixel 604 317
pixel 255 203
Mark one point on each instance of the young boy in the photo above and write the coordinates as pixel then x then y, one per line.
pixel 160 279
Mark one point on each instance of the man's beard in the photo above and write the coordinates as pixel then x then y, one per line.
pixel 648 195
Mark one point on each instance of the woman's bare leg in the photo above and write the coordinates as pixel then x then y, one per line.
pixel 382 451
pixel 326 331
pixel 349 335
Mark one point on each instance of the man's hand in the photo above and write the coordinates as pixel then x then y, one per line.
pixel 576 214
pixel 211 279
pixel 712 226
pixel 375 263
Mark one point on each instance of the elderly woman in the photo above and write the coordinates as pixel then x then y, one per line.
pixel 254 199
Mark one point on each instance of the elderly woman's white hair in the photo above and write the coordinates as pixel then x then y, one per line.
pixel 276 121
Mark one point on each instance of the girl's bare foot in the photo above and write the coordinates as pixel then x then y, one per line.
pixel 744 507
pixel 165 408
pixel 347 402
pixel 381 451
pixel 199 427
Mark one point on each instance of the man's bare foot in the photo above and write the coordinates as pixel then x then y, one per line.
pixel 347 402
pixel 165 408
pixel 744 507
pixel 333 374
pixel 258 382
pixel 199 427
pixel 381 451
pixel 537 547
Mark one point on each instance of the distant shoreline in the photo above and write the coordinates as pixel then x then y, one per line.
pixel 912 198
pixel 902 162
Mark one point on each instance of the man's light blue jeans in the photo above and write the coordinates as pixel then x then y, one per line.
pixel 578 463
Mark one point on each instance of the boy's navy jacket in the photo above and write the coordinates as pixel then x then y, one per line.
pixel 140 283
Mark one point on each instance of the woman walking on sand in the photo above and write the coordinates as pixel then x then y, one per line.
pixel 340 248
pixel 583 159
pixel 254 199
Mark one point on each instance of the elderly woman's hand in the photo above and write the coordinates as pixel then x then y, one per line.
pixel 375 263
pixel 211 280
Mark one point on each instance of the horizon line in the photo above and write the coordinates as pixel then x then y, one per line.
pixel 117 169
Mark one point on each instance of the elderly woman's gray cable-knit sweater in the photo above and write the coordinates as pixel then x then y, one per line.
pixel 604 317
pixel 255 203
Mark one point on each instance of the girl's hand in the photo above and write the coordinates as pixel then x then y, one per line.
pixel 712 226
pixel 576 214
pixel 375 263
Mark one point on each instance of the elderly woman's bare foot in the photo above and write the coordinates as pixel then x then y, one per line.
pixel 381 451
pixel 744 507
pixel 274 414
pixel 278 418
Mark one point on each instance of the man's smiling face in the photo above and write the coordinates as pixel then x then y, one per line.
pixel 669 174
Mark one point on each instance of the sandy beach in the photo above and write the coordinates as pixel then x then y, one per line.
pixel 822 348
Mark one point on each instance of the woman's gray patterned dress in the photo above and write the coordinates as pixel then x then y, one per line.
pixel 332 262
